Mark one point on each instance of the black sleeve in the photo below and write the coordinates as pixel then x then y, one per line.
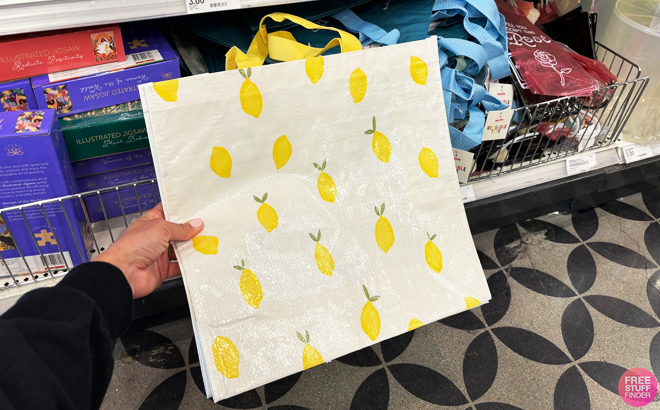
pixel 56 343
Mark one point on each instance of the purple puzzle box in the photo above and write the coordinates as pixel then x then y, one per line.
pixel 134 199
pixel 17 95
pixel 112 162
pixel 149 58
pixel 35 166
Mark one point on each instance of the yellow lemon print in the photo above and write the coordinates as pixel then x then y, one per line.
pixel 225 356
pixel 250 97
pixel 384 231
pixel 433 254
pixel 429 162
pixel 208 245
pixel 471 302
pixel 167 89
pixel 314 68
pixel 414 324
pixel 250 286
pixel 325 184
pixel 221 162
pixel 370 319
pixel 311 357
pixel 281 151
pixel 266 214
pixel 322 255
pixel 418 70
pixel 357 85
pixel 380 144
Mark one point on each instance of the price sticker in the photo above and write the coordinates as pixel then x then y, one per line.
pixel 633 153
pixel 497 125
pixel 583 163
pixel 205 6
pixel 467 193
pixel 503 92
pixel 463 161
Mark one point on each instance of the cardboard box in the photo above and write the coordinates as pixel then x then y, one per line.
pixel 29 55
pixel 111 162
pixel 103 135
pixel 129 196
pixel 35 166
pixel 17 96
pixel 149 58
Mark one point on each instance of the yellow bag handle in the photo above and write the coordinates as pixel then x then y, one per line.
pixel 282 46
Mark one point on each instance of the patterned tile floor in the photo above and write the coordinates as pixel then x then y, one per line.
pixel 576 302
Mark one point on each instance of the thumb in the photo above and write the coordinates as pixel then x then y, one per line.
pixel 184 231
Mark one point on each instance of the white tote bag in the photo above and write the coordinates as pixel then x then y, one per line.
pixel 333 217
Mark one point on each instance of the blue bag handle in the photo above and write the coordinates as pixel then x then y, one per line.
pixel 369 32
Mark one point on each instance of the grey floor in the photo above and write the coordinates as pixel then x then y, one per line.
pixel 576 302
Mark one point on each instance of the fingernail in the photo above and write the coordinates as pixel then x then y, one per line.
pixel 196 223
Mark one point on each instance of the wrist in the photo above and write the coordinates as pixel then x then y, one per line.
pixel 115 258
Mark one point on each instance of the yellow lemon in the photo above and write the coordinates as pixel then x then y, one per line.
pixel 418 70
pixel 471 302
pixel 314 68
pixel 322 255
pixel 414 324
pixel 266 214
pixel 221 162
pixel 311 357
pixel 250 97
pixel 167 89
pixel 370 319
pixel 380 144
pixel 250 286
pixel 325 184
pixel 357 85
pixel 281 151
pixel 208 245
pixel 429 162
pixel 384 231
pixel 225 356
pixel 433 254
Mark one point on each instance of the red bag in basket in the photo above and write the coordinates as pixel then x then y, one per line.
pixel 543 64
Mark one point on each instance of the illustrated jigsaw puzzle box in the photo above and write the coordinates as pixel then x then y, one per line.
pixel 145 195
pixel 29 55
pixel 35 166
pixel 17 96
pixel 113 162
pixel 149 58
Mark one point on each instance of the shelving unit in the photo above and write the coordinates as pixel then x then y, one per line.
pixel 27 16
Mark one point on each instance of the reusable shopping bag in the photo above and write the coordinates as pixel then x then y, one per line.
pixel 332 213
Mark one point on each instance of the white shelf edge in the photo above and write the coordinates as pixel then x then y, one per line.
pixel 41 15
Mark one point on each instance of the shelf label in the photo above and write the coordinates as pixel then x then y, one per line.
pixel 463 161
pixel 503 92
pixel 583 163
pixel 497 125
pixel 205 6
pixel 467 193
pixel 633 153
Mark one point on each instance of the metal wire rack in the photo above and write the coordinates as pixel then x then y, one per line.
pixel 546 131
pixel 84 224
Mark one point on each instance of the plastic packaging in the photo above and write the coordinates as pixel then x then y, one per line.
pixel 634 32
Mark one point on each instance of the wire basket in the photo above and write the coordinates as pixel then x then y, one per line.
pixel 90 231
pixel 551 130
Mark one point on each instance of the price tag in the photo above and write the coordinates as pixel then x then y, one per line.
pixel 467 193
pixel 503 92
pixel 205 6
pixel 497 125
pixel 463 161
pixel 634 153
pixel 583 163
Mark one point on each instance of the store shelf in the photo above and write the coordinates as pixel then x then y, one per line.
pixel 27 16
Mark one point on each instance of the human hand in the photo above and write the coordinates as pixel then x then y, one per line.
pixel 141 251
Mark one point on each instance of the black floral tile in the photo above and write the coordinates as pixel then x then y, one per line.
pixel 575 303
